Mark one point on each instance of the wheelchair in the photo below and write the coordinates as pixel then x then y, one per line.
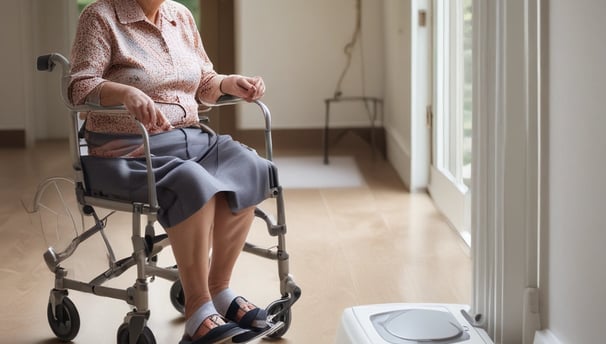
pixel 62 314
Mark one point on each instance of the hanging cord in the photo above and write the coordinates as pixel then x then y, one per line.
pixel 348 49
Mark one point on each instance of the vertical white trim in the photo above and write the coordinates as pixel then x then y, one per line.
pixel 505 170
pixel 420 96
pixel 532 316
pixel 482 170
pixel 545 336
pixel 533 112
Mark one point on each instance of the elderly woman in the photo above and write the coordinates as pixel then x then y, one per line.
pixel 147 55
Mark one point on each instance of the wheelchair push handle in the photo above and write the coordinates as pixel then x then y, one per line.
pixel 44 63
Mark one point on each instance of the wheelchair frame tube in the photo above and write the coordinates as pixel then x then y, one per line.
pixel 231 100
pixel 267 117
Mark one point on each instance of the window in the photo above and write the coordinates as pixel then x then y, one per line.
pixel 82 4
pixel 454 88
pixel 467 81
pixel 194 7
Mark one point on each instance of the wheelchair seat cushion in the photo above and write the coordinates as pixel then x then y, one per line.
pixel 190 167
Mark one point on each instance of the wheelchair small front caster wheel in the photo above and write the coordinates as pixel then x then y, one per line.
pixel 65 322
pixel 285 317
pixel 146 336
pixel 177 297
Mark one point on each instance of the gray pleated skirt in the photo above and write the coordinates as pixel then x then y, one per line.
pixel 190 167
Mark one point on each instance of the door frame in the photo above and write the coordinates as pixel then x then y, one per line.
pixel 217 28
pixel 450 197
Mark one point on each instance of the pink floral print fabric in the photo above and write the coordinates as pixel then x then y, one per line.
pixel 115 41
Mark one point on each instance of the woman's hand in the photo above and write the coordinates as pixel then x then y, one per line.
pixel 247 88
pixel 136 102
pixel 144 109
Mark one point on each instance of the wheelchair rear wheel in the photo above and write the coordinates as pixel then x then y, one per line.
pixel 146 336
pixel 65 322
pixel 57 211
pixel 177 297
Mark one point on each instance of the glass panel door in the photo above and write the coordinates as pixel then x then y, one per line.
pixel 452 112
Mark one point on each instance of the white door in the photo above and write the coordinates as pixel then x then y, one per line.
pixel 451 113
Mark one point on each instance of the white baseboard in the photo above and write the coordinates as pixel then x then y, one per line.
pixel 398 155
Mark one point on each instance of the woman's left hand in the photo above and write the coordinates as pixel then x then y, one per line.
pixel 247 88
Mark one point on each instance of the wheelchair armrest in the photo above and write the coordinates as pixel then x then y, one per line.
pixel 223 100
pixel 227 99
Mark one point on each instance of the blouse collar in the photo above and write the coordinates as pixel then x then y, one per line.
pixel 129 11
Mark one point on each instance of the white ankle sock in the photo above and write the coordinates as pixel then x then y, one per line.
pixel 194 322
pixel 223 300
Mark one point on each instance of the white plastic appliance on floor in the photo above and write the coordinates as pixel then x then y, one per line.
pixel 405 323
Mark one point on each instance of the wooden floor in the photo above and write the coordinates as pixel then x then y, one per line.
pixel 371 244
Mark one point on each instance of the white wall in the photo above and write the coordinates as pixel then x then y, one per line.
pixel 54 24
pixel 28 99
pixel 408 65
pixel 398 61
pixel 573 277
pixel 297 46
pixel 15 33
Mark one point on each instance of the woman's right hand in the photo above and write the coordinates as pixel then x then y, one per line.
pixel 144 109
pixel 136 102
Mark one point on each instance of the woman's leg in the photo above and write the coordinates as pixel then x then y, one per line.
pixel 229 235
pixel 190 241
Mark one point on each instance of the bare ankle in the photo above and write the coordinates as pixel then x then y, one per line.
pixel 216 289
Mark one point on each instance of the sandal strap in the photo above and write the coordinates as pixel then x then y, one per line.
pixel 214 321
pixel 256 315
pixel 251 317
pixel 229 329
pixel 219 328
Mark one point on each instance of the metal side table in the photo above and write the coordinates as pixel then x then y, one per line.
pixel 375 114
